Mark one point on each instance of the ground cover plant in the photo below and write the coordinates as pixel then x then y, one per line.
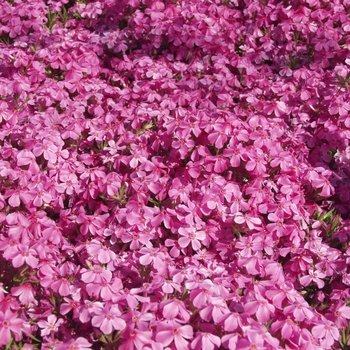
pixel 174 174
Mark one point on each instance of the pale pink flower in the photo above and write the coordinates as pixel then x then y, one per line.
pixel 327 332
pixel 51 325
pixel 205 341
pixel 108 319
pixel 9 323
pixel 25 255
pixel 75 344
pixel 191 235
pixel 246 218
pixel 261 308
pixel 313 276
pixel 171 331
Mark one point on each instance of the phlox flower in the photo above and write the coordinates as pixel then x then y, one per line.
pixel 230 341
pixel 71 304
pixel 40 196
pixel 257 162
pixel 51 325
pixel 106 290
pixel 215 310
pixel 152 255
pixel 261 308
pixel 96 275
pixel 56 278
pixel 253 341
pixel 236 153
pixel 69 183
pixel 327 332
pixel 139 319
pixel 75 344
pixel 15 197
pixel 327 187
pixel 108 319
pixel 26 255
pixel 277 107
pixel 191 235
pixel 25 157
pixel 25 293
pixel 246 218
pixel 171 331
pixel 135 339
pixel 103 253
pixel 313 276
pixel 9 323
pixel 174 308
pixel 205 341
pixel 277 225
pixel 340 315
pixel 300 311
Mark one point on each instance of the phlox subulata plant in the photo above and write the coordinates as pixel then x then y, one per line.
pixel 174 174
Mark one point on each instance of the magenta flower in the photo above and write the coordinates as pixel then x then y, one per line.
pixel 135 339
pixel 96 275
pixel 313 276
pixel 191 235
pixel 25 255
pixel 277 107
pixel 299 310
pixel 327 332
pixel 134 133
pixel 205 341
pixel 246 218
pixel 257 162
pixel 108 318
pixel 25 293
pixel 215 310
pixel 174 308
pixel 171 331
pixel 261 308
pixel 51 325
pixel 75 344
pixel 9 323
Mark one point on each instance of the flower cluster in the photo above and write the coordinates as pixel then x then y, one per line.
pixel 174 174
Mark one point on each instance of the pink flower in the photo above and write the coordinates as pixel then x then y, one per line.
pixel 9 323
pixel 205 341
pixel 215 310
pixel 25 293
pixel 191 235
pixel 313 276
pixel 25 255
pixel 261 308
pixel 108 318
pixel 96 275
pixel 246 218
pixel 327 188
pixel 327 332
pixel 171 331
pixel 174 308
pixel 136 339
pixel 51 325
pixel 277 107
pixel 300 311
pixel 75 344
pixel 257 162
pixel 26 157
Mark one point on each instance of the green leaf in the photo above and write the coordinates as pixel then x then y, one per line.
pixel 35 339
pixel 335 224
pixel 327 217
pixel 9 344
pixel 78 16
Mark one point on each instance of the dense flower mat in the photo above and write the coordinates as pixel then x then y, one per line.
pixel 174 174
